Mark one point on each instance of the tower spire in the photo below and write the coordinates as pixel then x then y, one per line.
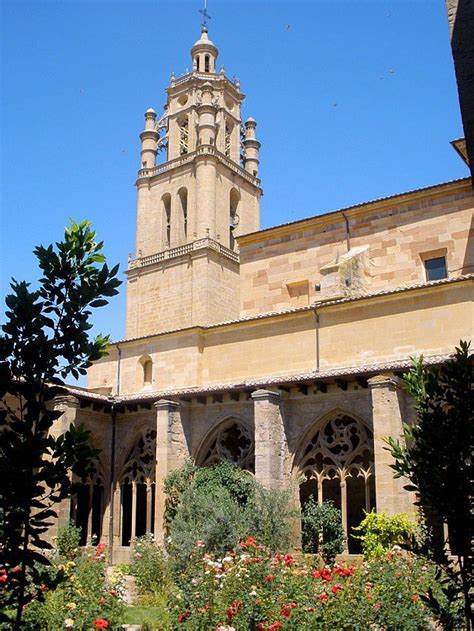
pixel 205 17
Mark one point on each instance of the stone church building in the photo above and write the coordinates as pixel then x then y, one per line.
pixel 279 349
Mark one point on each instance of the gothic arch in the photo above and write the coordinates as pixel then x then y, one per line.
pixel 137 486
pixel 336 460
pixel 230 440
pixel 88 502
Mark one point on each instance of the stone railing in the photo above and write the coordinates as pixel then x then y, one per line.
pixel 189 157
pixel 182 250
pixel 205 76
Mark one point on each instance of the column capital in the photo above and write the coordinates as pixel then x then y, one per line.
pixel 65 401
pixel 167 405
pixel 266 395
pixel 384 380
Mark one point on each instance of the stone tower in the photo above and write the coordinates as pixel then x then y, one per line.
pixel 192 206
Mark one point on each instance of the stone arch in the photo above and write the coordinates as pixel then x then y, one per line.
pixel 234 200
pixel 231 440
pixel 88 502
pixel 183 220
pixel 336 461
pixel 145 372
pixel 166 204
pixel 137 486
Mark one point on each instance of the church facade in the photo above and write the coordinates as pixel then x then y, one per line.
pixel 281 349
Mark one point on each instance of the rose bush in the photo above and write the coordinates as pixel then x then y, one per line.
pixel 254 589
pixel 88 597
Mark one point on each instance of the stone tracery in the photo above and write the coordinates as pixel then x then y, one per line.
pixel 340 453
pixel 233 443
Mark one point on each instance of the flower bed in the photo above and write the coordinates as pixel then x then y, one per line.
pixel 253 589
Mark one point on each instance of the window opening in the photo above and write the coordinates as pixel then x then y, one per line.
pixel 435 269
pixel 147 372
pixel 167 208
pixel 183 136
pixel 206 63
pixel 227 138
pixel 338 465
pixel 183 196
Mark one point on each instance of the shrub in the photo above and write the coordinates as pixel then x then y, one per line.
pixel 68 541
pixel 219 507
pixel 268 517
pixel 255 589
pixel 85 596
pixel 148 566
pixel 381 532
pixel 322 530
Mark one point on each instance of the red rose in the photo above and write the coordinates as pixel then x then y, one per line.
pixel 323 597
pixel 3 578
pixel 183 616
pixel 269 578
pixel 101 623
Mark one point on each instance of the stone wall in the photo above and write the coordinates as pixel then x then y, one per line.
pixel 397 233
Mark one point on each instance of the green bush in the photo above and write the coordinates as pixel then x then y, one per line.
pixel 254 589
pixel 322 531
pixel 381 532
pixel 68 541
pixel 86 595
pixel 148 566
pixel 218 507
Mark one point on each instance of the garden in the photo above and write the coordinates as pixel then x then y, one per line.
pixel 227 564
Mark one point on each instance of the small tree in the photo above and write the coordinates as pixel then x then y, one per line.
pixel 322 529
pixel 436 457
pixel 45 340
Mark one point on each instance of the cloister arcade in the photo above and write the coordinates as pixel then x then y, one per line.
pixel 333 461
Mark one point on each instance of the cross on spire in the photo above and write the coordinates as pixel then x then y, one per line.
pixel 205 16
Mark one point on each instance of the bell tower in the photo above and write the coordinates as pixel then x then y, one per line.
pixel 194 202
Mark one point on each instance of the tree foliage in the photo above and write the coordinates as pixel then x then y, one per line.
pixel 322 530
pixel 45 340
pixel 220 506
pixel 436 457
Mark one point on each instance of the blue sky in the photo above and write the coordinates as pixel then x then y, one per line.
pixel 354 100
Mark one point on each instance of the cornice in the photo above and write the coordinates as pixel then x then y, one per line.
pixel 147 175
pixel 197 246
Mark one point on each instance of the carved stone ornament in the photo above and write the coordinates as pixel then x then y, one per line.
pixel 140 463
pixel 232 443
pixel 342 447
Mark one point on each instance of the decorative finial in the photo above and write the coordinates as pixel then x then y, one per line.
pixel 205 17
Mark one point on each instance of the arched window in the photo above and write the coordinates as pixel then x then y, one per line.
pixel 87 505
pixel 227 137
pixel 183 198
pixel 198 65
pixel 183 135
pixel 166 199
pixel 207 63
pixel 234 199
pixel 137 489
pixel 147 372
pixel 337 462
pixel 231 442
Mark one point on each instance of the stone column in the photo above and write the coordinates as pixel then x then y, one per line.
pixel 387 418
pixel 171 451
pixel 68 405
pixel 270 449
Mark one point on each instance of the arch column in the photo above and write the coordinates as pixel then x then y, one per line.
pixel 171 452
pixel 387 417
pixel 68 405
pixel 270 441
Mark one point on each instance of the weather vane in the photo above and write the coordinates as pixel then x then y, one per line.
pixel 205 15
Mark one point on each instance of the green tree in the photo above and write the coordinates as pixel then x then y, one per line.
pixel 45 340
pixel 322 530
pixel 436 457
